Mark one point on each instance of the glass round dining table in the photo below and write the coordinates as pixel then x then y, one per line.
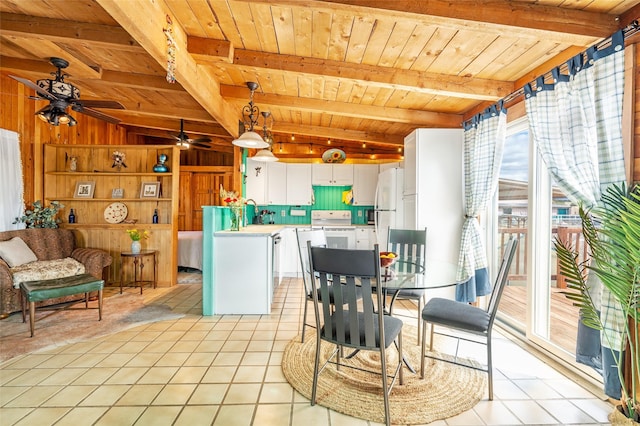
pixel 405 274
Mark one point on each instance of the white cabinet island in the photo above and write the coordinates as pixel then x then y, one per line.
pixel 238 266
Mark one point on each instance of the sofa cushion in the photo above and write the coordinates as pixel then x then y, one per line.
pixel 46 270
pixel 16 252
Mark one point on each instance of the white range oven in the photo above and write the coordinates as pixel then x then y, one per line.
pixel 337 227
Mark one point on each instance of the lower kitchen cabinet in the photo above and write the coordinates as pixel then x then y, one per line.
pixel 366 238
pixel 243 273
pixel 290 258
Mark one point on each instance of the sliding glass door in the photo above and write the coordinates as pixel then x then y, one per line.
pixel 531 208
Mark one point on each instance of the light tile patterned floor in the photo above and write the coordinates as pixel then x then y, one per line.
pixel 225 370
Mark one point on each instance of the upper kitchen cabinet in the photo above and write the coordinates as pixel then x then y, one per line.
pixel 299 190
pixel 266 182
pixel 276 183
pixel 332 174
pixel 394 165
pixel 365 178
pixel 256 183
pixel 419 147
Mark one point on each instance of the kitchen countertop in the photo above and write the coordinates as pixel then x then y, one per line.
pixel 252 231
pixel 257 230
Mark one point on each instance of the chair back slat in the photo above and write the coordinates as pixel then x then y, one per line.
pixel 410 245
pixel 318 238
pixel 502 277
pixel 351 275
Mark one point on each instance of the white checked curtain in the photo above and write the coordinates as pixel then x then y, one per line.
pixel 484 139
pixel 576 125
pixel 12 204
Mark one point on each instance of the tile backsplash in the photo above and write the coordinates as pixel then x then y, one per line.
pixel 326 198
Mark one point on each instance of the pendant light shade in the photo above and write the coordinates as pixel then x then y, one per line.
pixel 250 139
pixel 265 156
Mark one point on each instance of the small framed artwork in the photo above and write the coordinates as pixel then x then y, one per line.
pixel 117 193
pixel 84 189
pixel 150 190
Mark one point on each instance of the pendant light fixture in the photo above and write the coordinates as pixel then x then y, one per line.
pixel 265 154
pixel 250 113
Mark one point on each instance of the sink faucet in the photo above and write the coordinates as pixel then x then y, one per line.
pixel 255 209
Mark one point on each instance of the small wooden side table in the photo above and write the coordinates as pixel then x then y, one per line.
pixel 138 258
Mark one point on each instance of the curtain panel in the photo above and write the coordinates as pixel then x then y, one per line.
pixel 576 124
pixel 12 204
pixel 484 139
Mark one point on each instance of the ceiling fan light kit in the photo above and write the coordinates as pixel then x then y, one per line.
pixel 61 95
pixel 184 142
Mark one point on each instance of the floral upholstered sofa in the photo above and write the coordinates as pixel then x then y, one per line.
pixel 40 254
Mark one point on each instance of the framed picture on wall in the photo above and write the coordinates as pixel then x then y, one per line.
pixel 150 190
pixel 84 189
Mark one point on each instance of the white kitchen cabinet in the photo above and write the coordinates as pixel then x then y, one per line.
pixel 363 238
pixel 276 183
pixel 365 178
pixel 332 174
pixel 299 190
pixel 256 183
pixel 394 165
pixel 243 274
pixel 290 263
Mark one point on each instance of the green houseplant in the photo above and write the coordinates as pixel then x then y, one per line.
pixel 41 217
pixel 614 247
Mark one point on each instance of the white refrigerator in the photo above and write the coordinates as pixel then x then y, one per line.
pixel 433 191
pixel 388 208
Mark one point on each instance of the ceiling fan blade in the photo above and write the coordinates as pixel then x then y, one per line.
pixel 96 114
pixel 39 90
pixel 199 140
pixel 86 103
pixel 202 145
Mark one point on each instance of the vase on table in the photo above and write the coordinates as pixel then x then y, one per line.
pixel 236 217
pixel 135 247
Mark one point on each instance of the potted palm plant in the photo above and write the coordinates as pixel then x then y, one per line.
pixel 612 232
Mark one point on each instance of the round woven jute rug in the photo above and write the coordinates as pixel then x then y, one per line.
pixel 446 390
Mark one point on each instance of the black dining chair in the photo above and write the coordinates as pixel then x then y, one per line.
pixel 410 246
pixel 350 321
pixel 317 238
pixel 470 320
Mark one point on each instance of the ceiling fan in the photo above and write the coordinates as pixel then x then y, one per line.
pixel 184 141
pixel 61 95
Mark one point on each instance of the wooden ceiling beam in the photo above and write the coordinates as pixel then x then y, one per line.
pixel 46 49
pixel 170 124
pixel 374 76
pixel 140 81
pixel 151 110
pixel 114 78
pixel 146 21
pixel 398 115
pixel 338 134
pixel 59 30
pixel 166 134
pixel 561 25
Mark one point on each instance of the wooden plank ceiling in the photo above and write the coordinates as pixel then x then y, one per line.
pixel 359 73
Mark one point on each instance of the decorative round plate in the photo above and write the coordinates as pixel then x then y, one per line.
pixel 115 212
pixel 334 155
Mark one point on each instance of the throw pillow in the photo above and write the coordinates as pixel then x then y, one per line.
pixel 16 252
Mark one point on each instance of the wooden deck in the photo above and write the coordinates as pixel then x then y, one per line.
pixel 564 316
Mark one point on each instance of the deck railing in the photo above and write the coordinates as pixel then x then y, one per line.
pixel 518 270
